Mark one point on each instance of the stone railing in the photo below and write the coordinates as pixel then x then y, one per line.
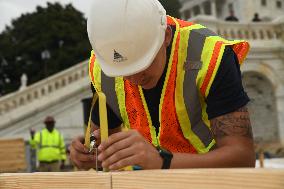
pixel 258 31
pixel 43 88
pixel 252 31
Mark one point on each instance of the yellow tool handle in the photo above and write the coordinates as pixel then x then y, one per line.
pixel 103 118
pixel 88 130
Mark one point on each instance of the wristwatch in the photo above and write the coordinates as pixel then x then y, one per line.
pixel 166 156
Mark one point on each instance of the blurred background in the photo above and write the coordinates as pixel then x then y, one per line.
pixel 44 68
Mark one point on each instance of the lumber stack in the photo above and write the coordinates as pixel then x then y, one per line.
pixel 12 156
pixel 157 179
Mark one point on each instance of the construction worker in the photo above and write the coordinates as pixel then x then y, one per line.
pixel 175 86
pixel 50 147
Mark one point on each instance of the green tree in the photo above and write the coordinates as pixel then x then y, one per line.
pixel 172 7
pixel 42 43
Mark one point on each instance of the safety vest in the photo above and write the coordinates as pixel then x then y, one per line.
pixel 194 60
pixel 50 146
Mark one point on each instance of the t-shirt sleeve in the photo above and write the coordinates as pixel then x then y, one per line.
pixel 113 120
pixel 227 93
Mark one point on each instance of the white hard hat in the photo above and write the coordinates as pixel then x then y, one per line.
pixel 126 35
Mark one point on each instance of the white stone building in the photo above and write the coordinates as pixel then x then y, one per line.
pixel 244 10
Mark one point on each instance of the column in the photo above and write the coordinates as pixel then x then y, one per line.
pixel 213 8
pixel 201 8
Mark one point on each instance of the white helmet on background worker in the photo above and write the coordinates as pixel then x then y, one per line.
pixel 126 35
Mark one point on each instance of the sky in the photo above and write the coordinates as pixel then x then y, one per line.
pixel 11 9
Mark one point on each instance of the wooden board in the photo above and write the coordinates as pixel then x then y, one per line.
pixel 12 156
pixel 155 179
pixel 201 179
pixel 67 180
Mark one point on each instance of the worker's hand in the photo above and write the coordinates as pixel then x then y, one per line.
pixel 127 149
pixel 32 133
pixel 80 156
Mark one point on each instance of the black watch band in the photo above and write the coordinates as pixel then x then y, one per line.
pixel 166 156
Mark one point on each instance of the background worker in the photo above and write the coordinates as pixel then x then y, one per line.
pixel 177 88
pixel 50 146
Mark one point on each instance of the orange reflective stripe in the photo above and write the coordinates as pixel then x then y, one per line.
pixel 91 66
pixel 241 50
pixel 171 136
pixel 211 67
pixel 182 23
pixel 170 21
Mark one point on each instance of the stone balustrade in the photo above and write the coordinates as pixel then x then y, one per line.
pixel 252 31
pixel 43 88
pixel 255 31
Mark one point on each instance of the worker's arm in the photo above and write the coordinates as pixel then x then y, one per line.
pixel 235 148
pixel 34 140
pixel 232 132
pixel 62 148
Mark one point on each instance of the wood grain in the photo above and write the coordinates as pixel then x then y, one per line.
pixel 201 179
pixel 156 179
pixel 12 155
pixel 67 180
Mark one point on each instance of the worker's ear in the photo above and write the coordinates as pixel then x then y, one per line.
pixel 168 36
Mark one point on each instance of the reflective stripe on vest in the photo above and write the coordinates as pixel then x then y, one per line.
pixel 201 137
pixel 41 145
pixel 199 55
pixel 108 87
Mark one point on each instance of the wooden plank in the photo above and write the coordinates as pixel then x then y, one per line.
pixel 12 155
pixel 70 180
pixel 10 165
pixel 14 167
pixel 7 151
pixel 157 179
pixel 201 179
pixel 11 142
pixel 7 141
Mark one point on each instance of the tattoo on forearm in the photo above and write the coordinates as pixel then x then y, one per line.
pixel 233 124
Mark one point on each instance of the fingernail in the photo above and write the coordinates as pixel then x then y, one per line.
pixel 100 147
pixel 100 157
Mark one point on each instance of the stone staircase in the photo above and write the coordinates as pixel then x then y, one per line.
pixel 59 95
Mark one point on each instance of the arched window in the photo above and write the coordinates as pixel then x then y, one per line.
pixel 262 107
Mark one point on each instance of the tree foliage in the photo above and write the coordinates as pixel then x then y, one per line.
pixel 172 7
pixel 56 29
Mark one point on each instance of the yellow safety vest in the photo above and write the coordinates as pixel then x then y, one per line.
pixel 50 146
